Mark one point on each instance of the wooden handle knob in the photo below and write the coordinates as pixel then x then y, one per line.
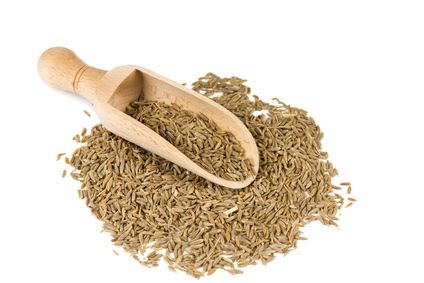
pixel 61 68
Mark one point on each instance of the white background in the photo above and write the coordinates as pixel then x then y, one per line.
pixel 356 66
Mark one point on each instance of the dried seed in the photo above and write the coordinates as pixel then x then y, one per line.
pixel 87 113
pixel 191 134
pixel 59 155
pixel 231 210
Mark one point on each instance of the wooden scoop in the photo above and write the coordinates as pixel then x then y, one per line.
pixel 111 92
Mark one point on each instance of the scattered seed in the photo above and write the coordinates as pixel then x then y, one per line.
pixel 87 113
pixel 154 209
pixel 59 156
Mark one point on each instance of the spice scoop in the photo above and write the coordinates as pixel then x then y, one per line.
pixel 110 92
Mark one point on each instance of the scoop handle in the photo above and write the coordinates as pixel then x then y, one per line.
pixel 61 68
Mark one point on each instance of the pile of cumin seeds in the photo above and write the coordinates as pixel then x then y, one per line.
pixel 197 136
pixel 156 210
